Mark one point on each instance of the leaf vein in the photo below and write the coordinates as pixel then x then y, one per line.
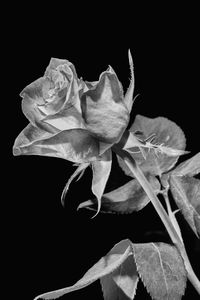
pixel 162 267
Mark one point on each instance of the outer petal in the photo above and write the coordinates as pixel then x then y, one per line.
pixel 28 135
pixel 75 145
pixel 68 118
pixel 104 110
pixel 101 171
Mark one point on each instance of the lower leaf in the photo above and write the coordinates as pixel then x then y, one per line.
pixel 121 284
pixel 117 255
pixel 161 269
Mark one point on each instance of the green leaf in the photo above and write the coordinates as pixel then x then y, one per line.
pixel 117 255
pixel 75 145
pixel 166 133
pixel 186 192
pixel 161 269
pixel 125 199
pixel 189 167
pixel 121 284
pixel 101 172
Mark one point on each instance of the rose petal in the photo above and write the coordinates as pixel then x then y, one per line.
pixel 75 145
pixel 52 102
pixel 28 135
pixel 63 74
pixel 32 99
pixel 104 111
pixel 70 116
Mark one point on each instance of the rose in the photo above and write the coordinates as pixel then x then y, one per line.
pixel 68 118
pixel 75 120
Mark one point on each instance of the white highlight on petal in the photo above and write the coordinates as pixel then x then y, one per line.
pixel 70 122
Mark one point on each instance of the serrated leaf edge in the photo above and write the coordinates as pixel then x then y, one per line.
pixel 136 282
pixel 176 186
pixel 140 276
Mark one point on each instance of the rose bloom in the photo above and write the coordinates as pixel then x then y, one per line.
pixel 75 120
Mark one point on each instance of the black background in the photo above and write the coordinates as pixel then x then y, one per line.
pixel 50 246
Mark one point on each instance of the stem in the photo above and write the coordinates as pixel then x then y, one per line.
pixel 171 214
pixel 138 174
pixel 154 200
pixel 190 272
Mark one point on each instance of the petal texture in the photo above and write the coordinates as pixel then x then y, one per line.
pixel 52 102
pixel 75 145
pixel 105 114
